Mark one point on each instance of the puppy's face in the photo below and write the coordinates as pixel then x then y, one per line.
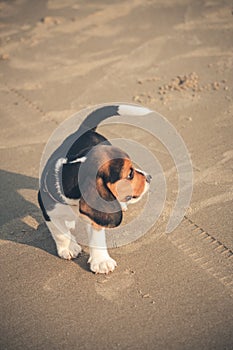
pixel 132 183
pixel 116 181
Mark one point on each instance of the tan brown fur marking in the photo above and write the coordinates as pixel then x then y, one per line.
pixel 128 187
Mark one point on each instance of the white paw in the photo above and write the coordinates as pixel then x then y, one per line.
pixel 70 252
pixel 102 265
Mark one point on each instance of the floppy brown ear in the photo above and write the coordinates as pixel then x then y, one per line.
pixel 109 213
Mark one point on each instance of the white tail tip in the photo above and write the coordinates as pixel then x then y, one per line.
pixel 133 110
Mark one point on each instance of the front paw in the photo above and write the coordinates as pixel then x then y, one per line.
pixel 102 265
pixel 70 252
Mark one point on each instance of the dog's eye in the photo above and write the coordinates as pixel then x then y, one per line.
pixel 131 174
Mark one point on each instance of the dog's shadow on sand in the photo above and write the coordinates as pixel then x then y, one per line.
pixel 21 220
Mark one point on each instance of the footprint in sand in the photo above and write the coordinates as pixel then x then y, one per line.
pixel 111 287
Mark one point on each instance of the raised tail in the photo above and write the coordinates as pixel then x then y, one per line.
pixel 98 115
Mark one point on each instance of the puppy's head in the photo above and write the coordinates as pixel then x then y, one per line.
pixel 109 178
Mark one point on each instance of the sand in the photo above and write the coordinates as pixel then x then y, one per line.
pixel 169 291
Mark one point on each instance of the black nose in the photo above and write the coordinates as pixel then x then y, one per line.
pixel 148 178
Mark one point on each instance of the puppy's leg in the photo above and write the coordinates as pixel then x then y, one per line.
pixel 59 226
pixel 100 261
pixel 67 247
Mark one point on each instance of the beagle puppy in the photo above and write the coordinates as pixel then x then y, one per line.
pixel 91 176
